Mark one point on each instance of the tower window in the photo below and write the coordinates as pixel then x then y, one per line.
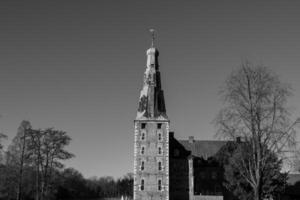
pixel 159 151
pixel 143 125
pixel 143 136
pixel 159 137
pixel 159 126
pixel 143 150
pixel 159 166
pixel 142 184
pixel 142 166
pixel 159 185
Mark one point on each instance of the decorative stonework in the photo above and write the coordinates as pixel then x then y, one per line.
pixel 151 101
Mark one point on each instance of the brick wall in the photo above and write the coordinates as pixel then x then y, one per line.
pixel 150 149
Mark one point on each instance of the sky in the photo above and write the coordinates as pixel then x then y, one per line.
pixel 78 66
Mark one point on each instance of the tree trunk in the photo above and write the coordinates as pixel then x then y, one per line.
pixel 37 182
pixel 256 194
pixel 19 191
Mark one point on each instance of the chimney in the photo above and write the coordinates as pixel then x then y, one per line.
pixel 191 139
pixel 238 139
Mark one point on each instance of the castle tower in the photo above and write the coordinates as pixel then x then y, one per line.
pixel 151 136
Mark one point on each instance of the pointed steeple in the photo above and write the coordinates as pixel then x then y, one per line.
pixel 151 102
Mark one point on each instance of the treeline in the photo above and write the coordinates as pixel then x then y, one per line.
pixel 31 169
pixel 74 186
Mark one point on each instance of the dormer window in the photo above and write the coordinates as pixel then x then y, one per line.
pixel 143 125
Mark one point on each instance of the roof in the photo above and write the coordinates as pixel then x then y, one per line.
pixel 152 102
pixel 203 148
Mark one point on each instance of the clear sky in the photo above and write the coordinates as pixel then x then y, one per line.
pixel 78 66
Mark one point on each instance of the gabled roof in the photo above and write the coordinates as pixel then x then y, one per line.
pixel 203 148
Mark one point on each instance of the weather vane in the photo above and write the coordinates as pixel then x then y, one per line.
pixel 152 31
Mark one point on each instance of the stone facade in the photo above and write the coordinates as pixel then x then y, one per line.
pixel 151 170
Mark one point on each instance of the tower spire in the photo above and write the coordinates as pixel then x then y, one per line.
pixel 152 31
pixel 151 136
pixel 151 102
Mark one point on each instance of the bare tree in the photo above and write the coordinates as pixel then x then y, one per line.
pixel 18 153
pixel 256 110
pixel 2 167
pixel 53 152
pixel 47 151
pixel 34 146
pixel 2 136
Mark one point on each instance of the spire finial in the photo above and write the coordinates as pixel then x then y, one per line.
pixel 152 31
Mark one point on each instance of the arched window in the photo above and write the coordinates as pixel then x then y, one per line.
pixel 143 150
pixel 159 151
pixel 159 137
pixel 159 185
pixel 143 136
pixel 142 184
pixel 159 165
pixel 142 165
